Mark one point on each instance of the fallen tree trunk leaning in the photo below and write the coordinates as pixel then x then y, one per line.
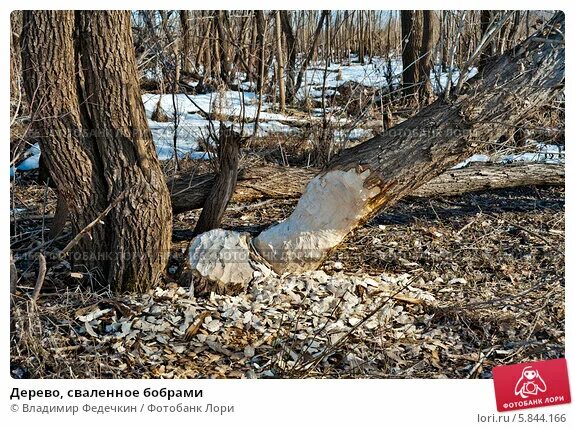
pixel 377 173
pixel 278 182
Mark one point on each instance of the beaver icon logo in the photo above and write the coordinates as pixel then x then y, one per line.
pixel 530 383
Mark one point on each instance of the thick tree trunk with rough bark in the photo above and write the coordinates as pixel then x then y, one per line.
pixel 365 179
pixel 97 142
pixel 48 56
pixel 141 223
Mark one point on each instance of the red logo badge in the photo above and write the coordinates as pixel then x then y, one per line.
pixel 531 384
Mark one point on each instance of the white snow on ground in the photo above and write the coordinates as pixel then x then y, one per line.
pixel 371 75
pixel 231 105
pixel 374 75
pixel 193 126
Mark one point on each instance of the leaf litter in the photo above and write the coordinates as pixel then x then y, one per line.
pixel 408 295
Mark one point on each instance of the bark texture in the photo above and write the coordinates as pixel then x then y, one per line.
pixel 425 62
pixel 417 36
pixel 51 83
pixel 141 222
pixel 276 182
pixel 96 140
pixel 224 182
pixel 291 49
pixel 411 42
pixel 15 57
pixel 187 64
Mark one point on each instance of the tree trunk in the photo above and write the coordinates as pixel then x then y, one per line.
pixel 48 56
pixel 191 192
pixel 480 178
pixel 365 179
pixel 222 25
pixel 260 47
pixel 224 182
pixel 425 62
pixel 215 48
pixel 97 142
pixel 445 34
pixel 291 54
pixel 485 20
pixel 411 44
pixel 187 64
pixel 15 57
pixel 280 63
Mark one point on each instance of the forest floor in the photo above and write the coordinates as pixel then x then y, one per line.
pixel 433 288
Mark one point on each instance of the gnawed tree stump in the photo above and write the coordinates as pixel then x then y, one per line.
pixel 224 261
pixel 224 182
pixel 377 173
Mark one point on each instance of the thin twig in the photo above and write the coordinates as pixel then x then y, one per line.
pixel 41 276
pixel 530 232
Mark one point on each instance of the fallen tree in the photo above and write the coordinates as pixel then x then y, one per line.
pixel 190 192
pixel 373 175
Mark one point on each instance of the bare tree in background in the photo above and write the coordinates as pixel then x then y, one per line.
pixel 417 35
pixel 280 62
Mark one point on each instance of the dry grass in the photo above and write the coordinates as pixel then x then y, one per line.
pixel 494 262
